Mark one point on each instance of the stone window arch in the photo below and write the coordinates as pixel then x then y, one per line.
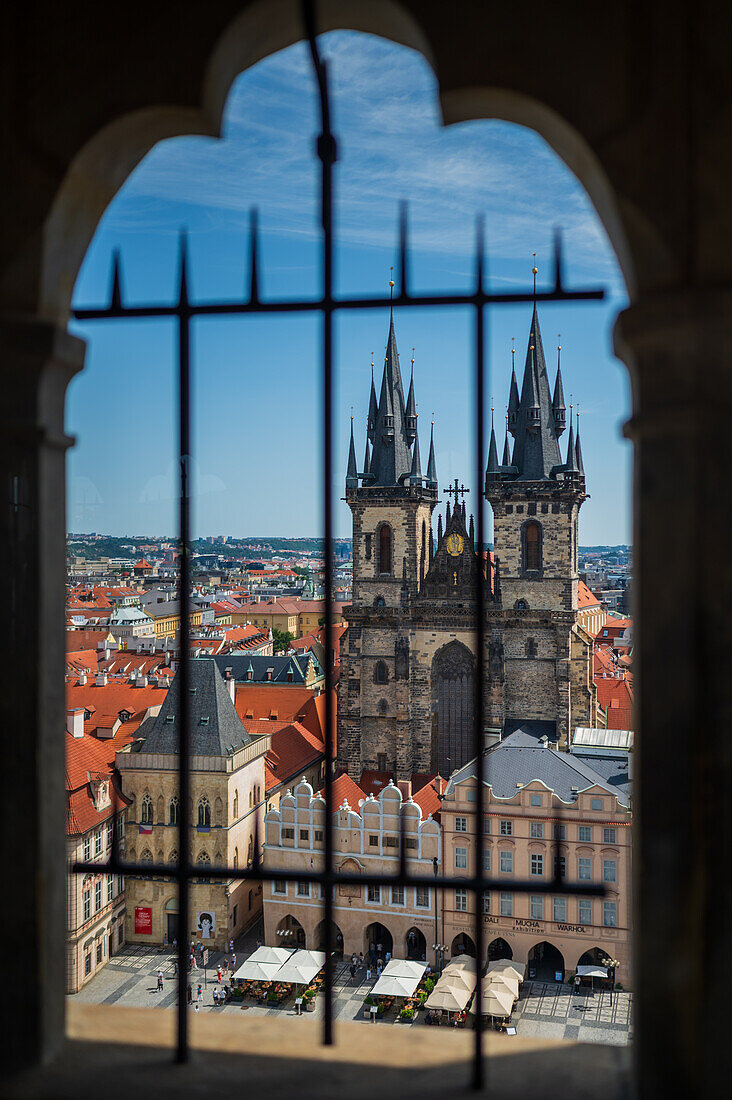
pixel 146 811
pixel 236 857
pixel 385 549
pixel 383 706
pixel 235 811
pixel 147 856
pixel 173 857
pixel 452 707
pixel 161 810
pixel 173 810
pixel 381 673
pixel 204 811
pixel 532 546
pixel 530 647
pixel 219 811
pixel 203 861
pixel 379 603
pixel 250 850
pixel 521 605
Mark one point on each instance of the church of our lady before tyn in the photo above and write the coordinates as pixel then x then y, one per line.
pixel 408 666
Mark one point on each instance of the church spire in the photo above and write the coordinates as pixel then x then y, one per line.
pixel 558 407
pixel 506 460
pixel 352 471
pixel 513 396
pixel 373 406
pixel 415 475
pixel 411 410
pixel 493 450
pixel 571 464
pixel 367 461
pixel 578 449
pixel 391 457
pixel 431 464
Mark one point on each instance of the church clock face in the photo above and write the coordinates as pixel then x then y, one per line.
pixel 455 544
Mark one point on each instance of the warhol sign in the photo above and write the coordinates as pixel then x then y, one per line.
pixel 143 920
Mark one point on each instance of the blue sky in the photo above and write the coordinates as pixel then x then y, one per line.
pixel 256 381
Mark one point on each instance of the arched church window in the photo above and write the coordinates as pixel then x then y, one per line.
pixel 383 706
pixel 521 605
pixel 381 673
pixel 146 810
pixel 532 546
pixel 173 811
pixel 385 549
pixel 204 811
pixel 530 647
pixel 379 603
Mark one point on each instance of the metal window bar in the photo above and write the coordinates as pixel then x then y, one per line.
pixel 183 311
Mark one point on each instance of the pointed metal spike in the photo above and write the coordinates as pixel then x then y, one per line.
pixel 558 259
pixel 116 293
pixel 403 234
pixel 183 298
pixel 254 255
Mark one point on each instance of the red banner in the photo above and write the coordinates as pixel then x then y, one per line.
pixel 143 920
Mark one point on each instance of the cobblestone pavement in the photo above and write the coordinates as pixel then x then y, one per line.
pixel 544 1009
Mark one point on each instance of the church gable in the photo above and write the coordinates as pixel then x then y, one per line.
pixel 451 574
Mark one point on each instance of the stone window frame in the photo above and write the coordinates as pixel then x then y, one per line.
pixel 380 668
pixel 384 525
pixel 525 571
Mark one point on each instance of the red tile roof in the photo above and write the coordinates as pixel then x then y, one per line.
pixel 374 782
pixel 86 639
pixel 585 597
pixel 615 696
pixel 344 789
pixel 428 796
pixel 264 701
pixel 82 660
pixel 294 749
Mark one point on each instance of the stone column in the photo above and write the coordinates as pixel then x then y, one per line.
pixel 679 349
pixel 38 361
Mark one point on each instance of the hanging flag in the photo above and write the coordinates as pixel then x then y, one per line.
pixel 146 829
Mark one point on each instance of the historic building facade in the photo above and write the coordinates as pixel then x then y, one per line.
pixel 408 662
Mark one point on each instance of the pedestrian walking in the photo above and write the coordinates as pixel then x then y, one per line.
pixel 233 963
pixel 199 993
pixel 360 958
pixel 378 971
pixel 219 974
pixel 368 973
pixel 160 981
pixel 195 1007
pixel 576 983
pixel 388 956
pixel 353 971
pixel 231 945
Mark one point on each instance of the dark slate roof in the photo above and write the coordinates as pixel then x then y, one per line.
pixel 391 458
pixel 216 729
pixel 520 759
pixel 536 452
pixel 281 666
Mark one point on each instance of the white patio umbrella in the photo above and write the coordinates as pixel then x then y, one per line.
pixel 507 966
pixel 404 968
pixel 262 964
pixel 300 968
pixel 462 960
pixel 458 976
pixel 503 981
pixel 496 1002
pixel 449 998
pixel 394 985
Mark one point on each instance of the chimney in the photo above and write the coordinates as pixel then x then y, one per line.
pixel 75 722
pixel 405 786
pixel 82 678
pixel 102 680
pixel 107 652
pixel 231 685
pixel 141 680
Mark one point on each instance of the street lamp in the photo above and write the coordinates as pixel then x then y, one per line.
pixel 439 950
pixel 611 964
pixel 435 868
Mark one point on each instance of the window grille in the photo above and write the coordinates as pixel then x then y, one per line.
pixel 182 311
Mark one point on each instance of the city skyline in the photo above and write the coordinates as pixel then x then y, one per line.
pixel 256 382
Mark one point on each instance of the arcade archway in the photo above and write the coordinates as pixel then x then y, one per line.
pixel 379 937
pixel 499 949
pixel 462 945
pixel 290 933
pixel 415 945
pixel 336 938
pixel 546 963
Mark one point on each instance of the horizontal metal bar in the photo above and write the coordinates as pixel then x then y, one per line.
pixel 218 309
pixel 259 874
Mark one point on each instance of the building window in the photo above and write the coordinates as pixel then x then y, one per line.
pixel 87 963
pixel 610 914
pixel 303 889
pixel 532 546
pixel 461 901
pixel 471 796
pixel 486 859
pixel 596 803
pixel 506 828
pixel 381 673
pixel 560 832
pixel 461 824
pixel 584 911
pixel 146 810
pixel 87 904
pixel 537 907
pixel 560 909
pixel 288 833
pixel 110 832
pixel 305 835
pixel 373 840
pixel 486 902
pixel 99 953
pixel 98 896
pixel 486 826
pixel 391 841
pixel 234 915
pixel 173 811
pixel 374 894
pixel 319 836
pixel 235 810
pixel 422 897
pixel 98 842
pixel 397 895
pixel 279 887
pixel 87 848
pixel 536 801
pixel 110 888
pixel 584 834
pixel 120 827
pixel 204 813
pixel 507 863
pixel 584 868
pixel 236 858
pixel 385 549
pixel 461 859
pixel 560 866
pixel 536 830
pixel 537 864
pixel 506 904
pixel 609 870
pixel 368 547
pixel 531 650
pixel 609 836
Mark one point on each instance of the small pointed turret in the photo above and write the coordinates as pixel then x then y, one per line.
pixel 472 529
pixel 447 515
pixel 352 471
pixel 530 395
pixel 578 451
pixel 506 460
pixel 431 464
pixel 367 460
pixel 439 529
pixel 415 476
pixel 493 467
pixel 571 463
pixel 513 396
pixel 373 406
pixel 410 415
pixel 558 407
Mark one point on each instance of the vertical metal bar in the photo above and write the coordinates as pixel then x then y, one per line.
pixel 183 674
pixel 478 725
pixel 327 155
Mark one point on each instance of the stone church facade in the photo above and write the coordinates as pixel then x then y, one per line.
pixel 408 665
